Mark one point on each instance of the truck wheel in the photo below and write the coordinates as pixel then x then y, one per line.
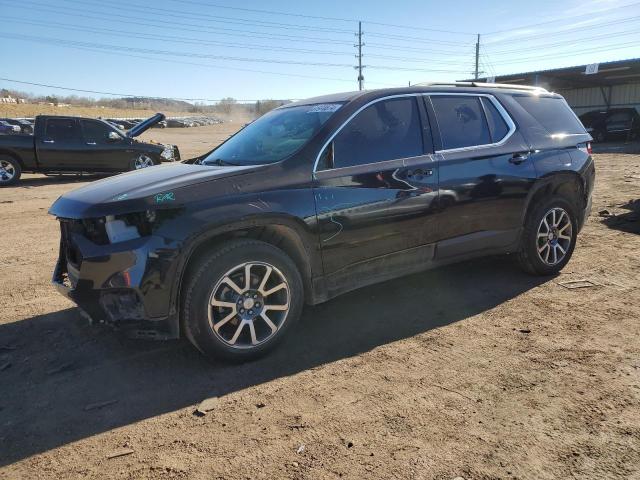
pixel 241 300
pixel 141 161
pixel 10 171
pixel 549 237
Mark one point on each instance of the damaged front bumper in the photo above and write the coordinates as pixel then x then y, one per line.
pixel 125 284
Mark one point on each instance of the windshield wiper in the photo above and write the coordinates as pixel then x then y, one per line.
pixel 221 163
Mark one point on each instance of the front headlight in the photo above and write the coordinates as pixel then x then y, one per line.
pixel 119 231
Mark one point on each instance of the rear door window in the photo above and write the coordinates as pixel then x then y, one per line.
pixel 497 126
pixel 387 130
pixel 62 130
pixel 552 113
pixel 461 121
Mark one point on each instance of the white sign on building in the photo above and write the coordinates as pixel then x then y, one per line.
pixel 592 69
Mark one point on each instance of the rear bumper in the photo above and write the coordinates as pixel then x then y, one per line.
pixel 121 284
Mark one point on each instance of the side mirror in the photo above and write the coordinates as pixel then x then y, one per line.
pixel 113 137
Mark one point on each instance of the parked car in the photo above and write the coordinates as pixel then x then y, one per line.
pixel 72 144
pixel 623 123
pixel 174 123
pixel 320 197
pixel 6 128
pixel 615 123
pixel 24 126
pixel 595 124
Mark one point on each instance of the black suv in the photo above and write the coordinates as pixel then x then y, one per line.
pixel 324 196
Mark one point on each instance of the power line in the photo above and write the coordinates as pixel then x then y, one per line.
pixel 61 41
pixel 318 17
pixel 210 30
pixel 409 69
pixel 572 54
pixel 101 46
pixel 189 16
pixel 127 95
pixel 199 16
pixel 170 38
pixel 590 14
pixel 566 31
pixel 420 60
pixel 403 48
pixel 219 67
pixel 568 42
pixel 415 39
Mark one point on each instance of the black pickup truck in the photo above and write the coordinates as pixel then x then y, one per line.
pixel 73 144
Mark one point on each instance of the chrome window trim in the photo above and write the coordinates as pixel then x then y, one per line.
pixel 503 112
pixel 333 135
pixel 376 166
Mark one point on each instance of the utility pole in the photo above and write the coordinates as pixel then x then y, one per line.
pixel 477 73
pixel 359 57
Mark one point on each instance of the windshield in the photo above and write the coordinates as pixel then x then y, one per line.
pixel 274 136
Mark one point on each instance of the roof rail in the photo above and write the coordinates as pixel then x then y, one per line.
pixel 485 85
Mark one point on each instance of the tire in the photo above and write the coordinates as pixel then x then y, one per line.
pixel 542 255
pixel 142 160
pixel 10 171
pixel 227 321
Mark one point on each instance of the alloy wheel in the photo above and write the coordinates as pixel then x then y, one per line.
pixel 555 234
pixel 249 304
pixel 7 171
pixel 143 161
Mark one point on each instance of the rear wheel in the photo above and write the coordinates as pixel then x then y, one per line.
pixel 549 237
pixel 242 300
pixel 10 171
pixel 141 161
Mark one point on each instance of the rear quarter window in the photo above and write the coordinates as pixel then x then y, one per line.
pixel 497 126
pixel 552 113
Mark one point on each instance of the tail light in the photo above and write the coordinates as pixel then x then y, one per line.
pixel 586 148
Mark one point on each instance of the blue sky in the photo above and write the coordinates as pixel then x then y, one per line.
pixel 200 49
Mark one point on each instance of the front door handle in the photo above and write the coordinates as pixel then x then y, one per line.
pixel 518 158
pixel 91 143
pixel 48 141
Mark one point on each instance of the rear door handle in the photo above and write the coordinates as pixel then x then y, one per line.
pixel 518 158
pixel 48 141
pixel 91 143
pixel 418 173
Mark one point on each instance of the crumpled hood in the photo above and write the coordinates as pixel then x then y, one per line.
pixel 153 187
pixel 145 125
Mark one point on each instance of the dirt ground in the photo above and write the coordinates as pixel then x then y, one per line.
pixel 474 370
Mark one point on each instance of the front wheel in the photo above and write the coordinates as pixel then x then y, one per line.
pixel 242 299
pixel 10 171
pixel 141 161
pixel 549 237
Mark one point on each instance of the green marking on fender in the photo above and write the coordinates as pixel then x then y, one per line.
pixel 165 197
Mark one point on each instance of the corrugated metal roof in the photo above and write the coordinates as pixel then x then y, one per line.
pixel 617 72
